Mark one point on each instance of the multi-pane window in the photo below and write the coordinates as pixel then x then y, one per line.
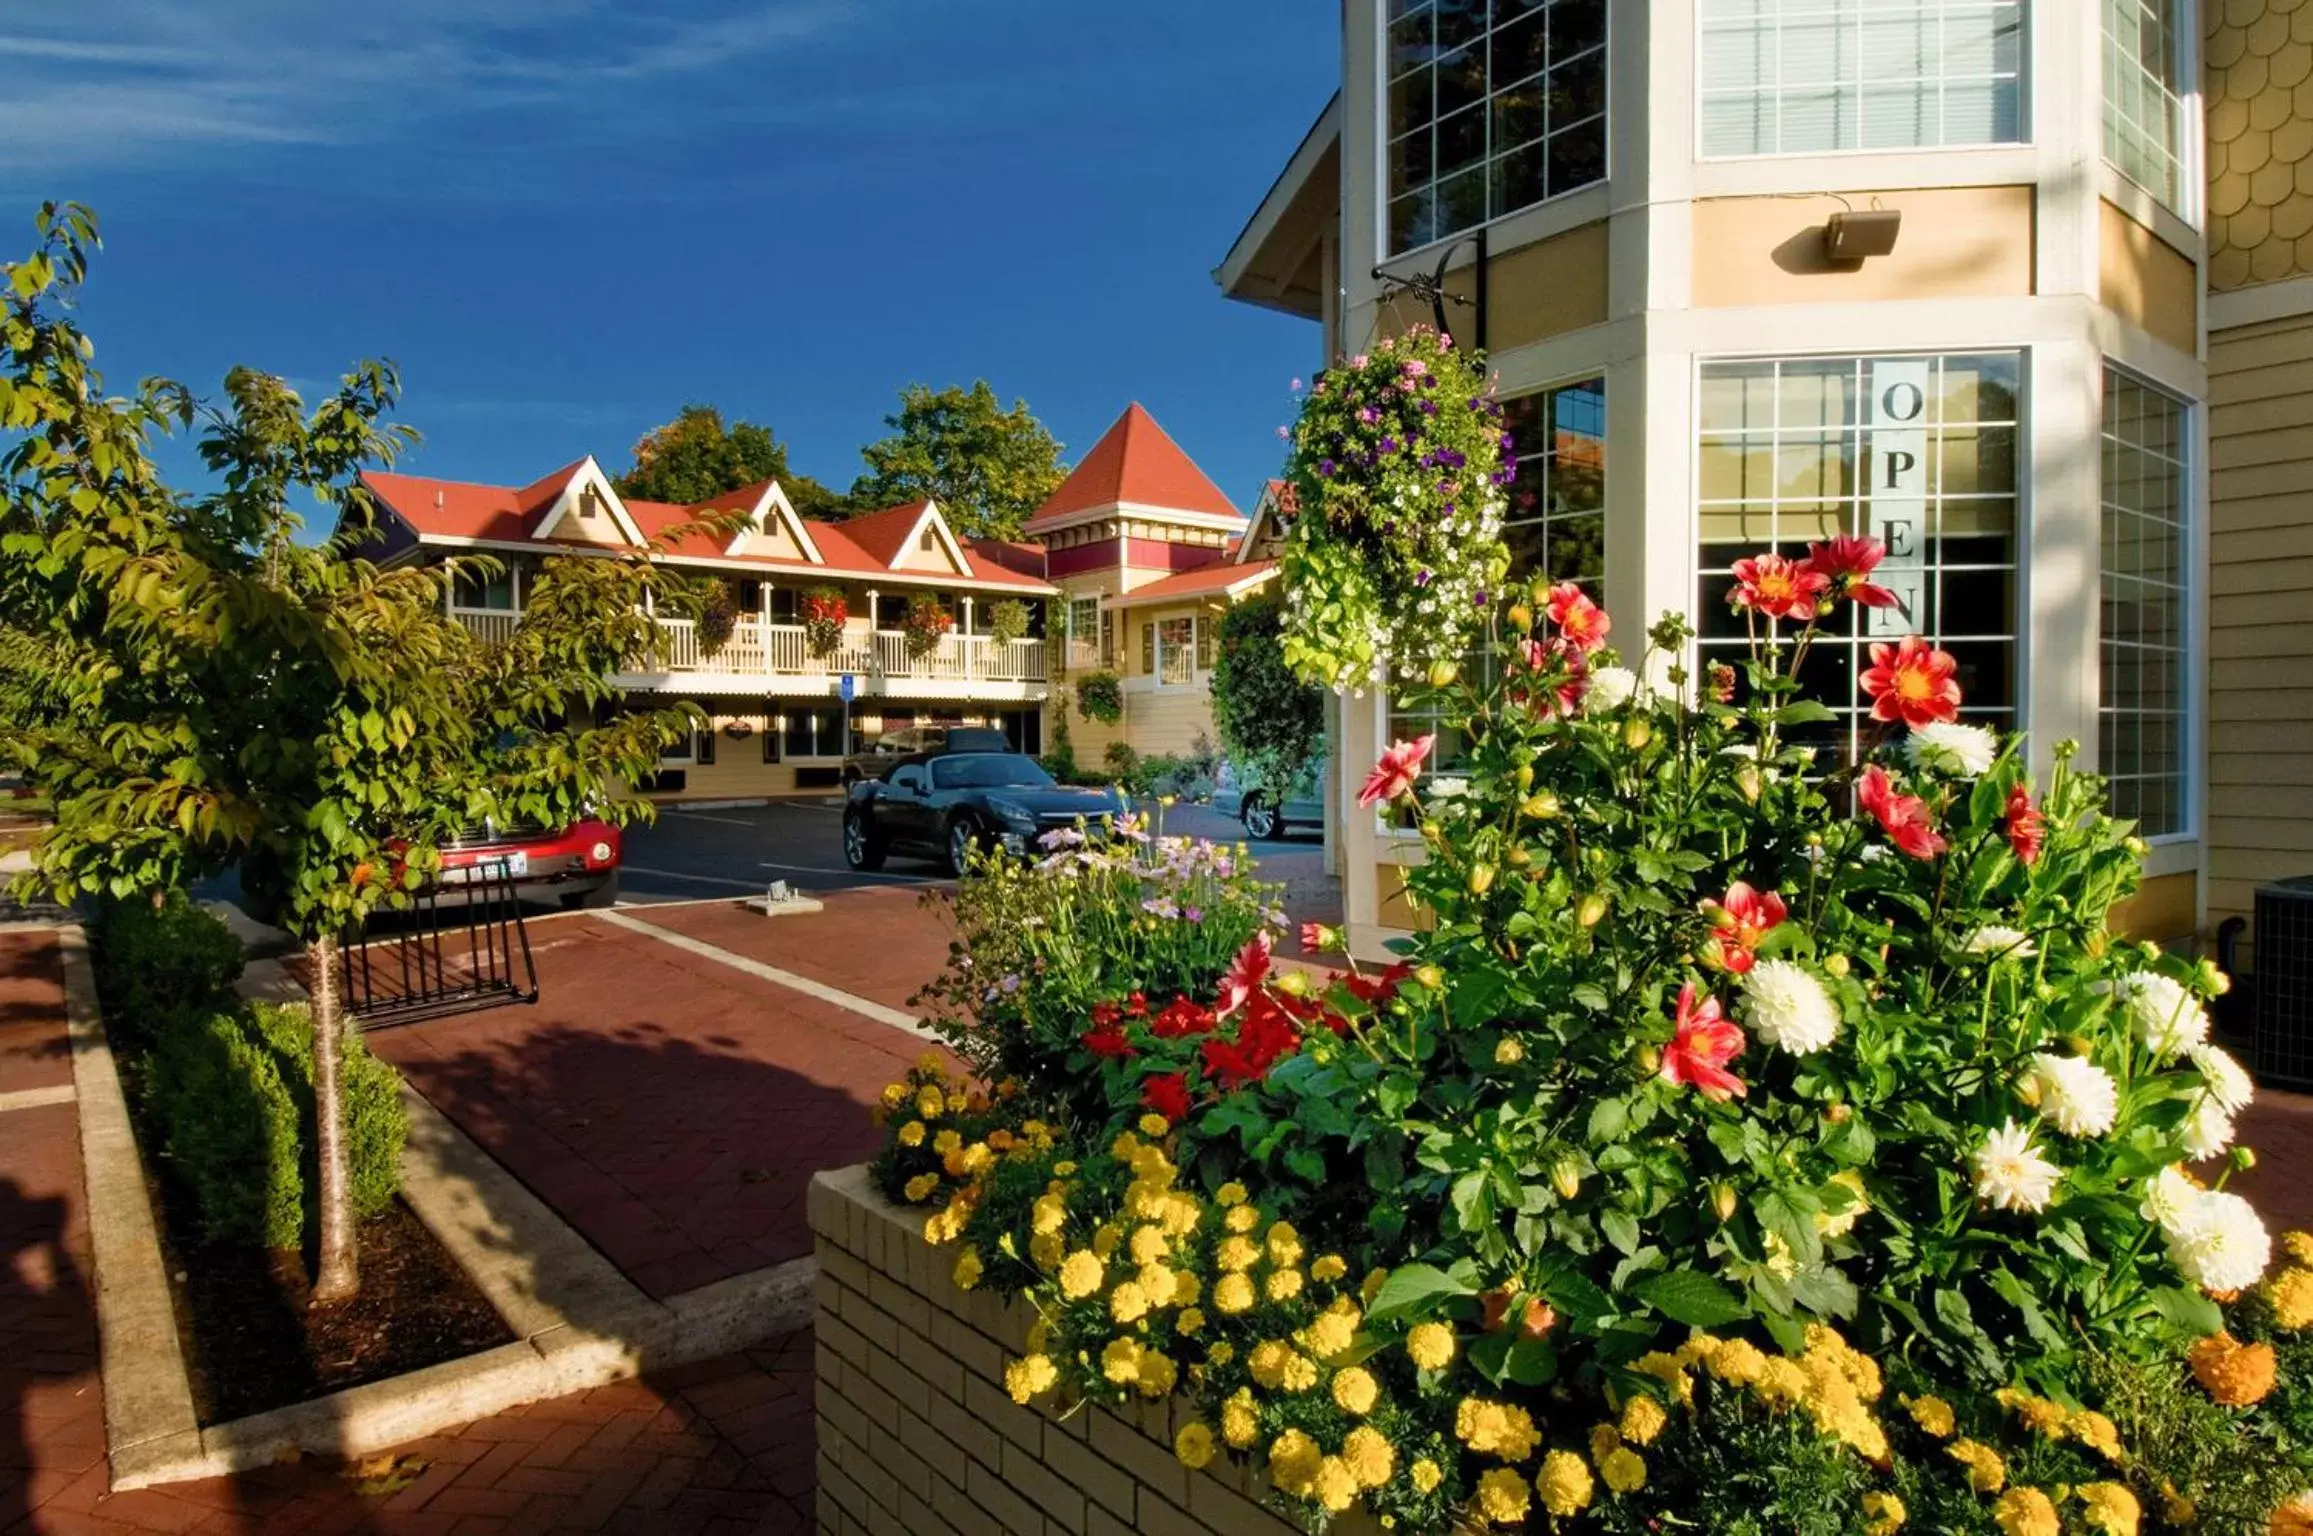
pixel 1494 105
pixel 1176 650
pixel 492 593
pixel 1919 452
pixel 1802 77
pixel 1084 644
pixel 1556 522
pixel 2144 587
pixel 2143 84
pixel 813 732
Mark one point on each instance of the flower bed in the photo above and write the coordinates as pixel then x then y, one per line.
pixel 1757 1141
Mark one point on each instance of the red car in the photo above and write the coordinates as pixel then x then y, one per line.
pixel 577 866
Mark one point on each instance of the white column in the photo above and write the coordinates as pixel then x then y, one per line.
pixel 2059 550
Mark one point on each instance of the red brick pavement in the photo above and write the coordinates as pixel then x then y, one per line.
pixel 882 943
pixel 671 1108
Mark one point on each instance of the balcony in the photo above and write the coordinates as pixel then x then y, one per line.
pixel 969 666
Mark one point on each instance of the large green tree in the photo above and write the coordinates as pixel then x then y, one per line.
pixel 696 456
pixel 987 467
pixel 197 688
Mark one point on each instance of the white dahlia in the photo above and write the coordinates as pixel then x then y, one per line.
pixel 2075 1095
pixel 2166 1018
pixel 1611 688
pixel 2208 1130
pixel 1963 751
pixel 1999 943
pixel 1787 1007
pixel 2218 1242
pixel 2168 1194
pixel 2011 1174
pixel 2228 1083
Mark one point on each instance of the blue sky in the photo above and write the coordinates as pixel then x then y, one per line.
pixel 565 218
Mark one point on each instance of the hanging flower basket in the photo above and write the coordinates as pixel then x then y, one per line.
pixel 824 616
pixel 925 623
pixel 718 617
pixel 1398 471
pixel 1008 620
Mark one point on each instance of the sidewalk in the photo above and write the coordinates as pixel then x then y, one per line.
pixel 723 1446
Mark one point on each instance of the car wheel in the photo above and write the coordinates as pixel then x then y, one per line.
pixel 862 848
pixel 962 835
pixel 1261 818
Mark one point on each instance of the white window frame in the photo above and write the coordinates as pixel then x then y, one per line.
pixel 2191 646
pixel 1381 144
pixel 2024 123
pixel 1189 674
pixel 513 608
pixel 2185 199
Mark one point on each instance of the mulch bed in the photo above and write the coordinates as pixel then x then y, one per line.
pixel 253 1343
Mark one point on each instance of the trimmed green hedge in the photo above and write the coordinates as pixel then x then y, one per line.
pixel 228 1102
pixel 158 965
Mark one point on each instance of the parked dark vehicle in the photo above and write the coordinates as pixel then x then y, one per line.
pixel 891 746
pixel 941 805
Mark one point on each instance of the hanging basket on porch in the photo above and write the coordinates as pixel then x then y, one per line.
pixel 925 624
pixel 718 617
pixel 824 615
pixel 1008 620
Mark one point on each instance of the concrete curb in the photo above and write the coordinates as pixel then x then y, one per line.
pixel 581 1322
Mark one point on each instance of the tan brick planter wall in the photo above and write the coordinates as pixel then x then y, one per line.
pixel 917 1436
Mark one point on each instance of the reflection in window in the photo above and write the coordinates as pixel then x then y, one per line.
pixel 493 593
pixel 2143 115
pixel 1919 452
pixel 1556 522
pixel 1797 77
pixel 813 732
pixel 1494 105
pixel 2141 718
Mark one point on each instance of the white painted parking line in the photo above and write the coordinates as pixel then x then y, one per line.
pixel 34 1098
pixel 855 874
pixel 728 821
pixel 866 1008
pixel 678 874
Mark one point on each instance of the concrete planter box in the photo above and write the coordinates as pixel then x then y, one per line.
pixel 916 1431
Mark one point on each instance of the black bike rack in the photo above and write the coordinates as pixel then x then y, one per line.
pixel 456 949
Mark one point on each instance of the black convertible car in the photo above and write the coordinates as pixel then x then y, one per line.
pixel 939 805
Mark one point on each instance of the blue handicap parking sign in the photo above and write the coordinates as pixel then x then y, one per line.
pixel 848 688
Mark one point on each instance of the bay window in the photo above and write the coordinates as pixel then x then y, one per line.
pixel 2144 587
pixel 2144 114
pixel 1919 452
pixel 1555 525
pixel 1798 77
pixel 1492 106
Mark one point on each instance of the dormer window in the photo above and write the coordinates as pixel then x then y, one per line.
pixel 589 503
pixel 928 541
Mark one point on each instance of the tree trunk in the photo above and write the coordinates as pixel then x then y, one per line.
pixel 335 1277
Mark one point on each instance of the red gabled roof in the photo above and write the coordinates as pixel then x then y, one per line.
pixel 1012 554
pixel 1135 461
pixel 884 534
pixel 1205 581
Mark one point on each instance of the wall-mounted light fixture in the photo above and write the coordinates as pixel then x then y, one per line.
pixel 1852 235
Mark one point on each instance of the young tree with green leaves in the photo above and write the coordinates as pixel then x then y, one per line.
pixel 695 457
pixel 987 467
pixel 197 689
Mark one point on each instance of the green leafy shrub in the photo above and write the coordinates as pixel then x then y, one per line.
pixel 157 965
pixel 1272 722
pixel 228 1105
pixel 1100 696
pixel 1008 619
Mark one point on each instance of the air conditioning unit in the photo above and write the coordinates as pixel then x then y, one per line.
pixel 2281 1046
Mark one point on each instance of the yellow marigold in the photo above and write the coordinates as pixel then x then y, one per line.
pixel 1932 1414
pixel 1987 1473
pixel 1160 1283
pixel 1329 1334
pixel 1231 1193
pixel 1187 1289
pixel 2299 1247
pixel 1233 1293
pixel 2095 1431
pixel 1300 1373
pixel 1781 1382
pixel 2294 1518
pixel 1502 1496
pixel 2110 1509
pixel 1329 1269
pixel 1371 1459
pixel 1642 1419
pixel 912 1134
pixel 1181 1215
pixel 1565 1484
pixel 967 1273
pixel 1120 1362
pixel 919 1188
pixel 1002 1140
pixel 2291 1294
pixel 2040 1416
pixel 947 1142
pixel 1154 1125
pixel 1157 1374
pixel 1425 1475
pixel 1355 1391
pixel 2235 1374
pixel 1430 1346
pixel 1047 1249
pixel 1126 1146
pixel 1738 1363
pixel 894 1095
pixel 1048 1214
pixel 1335 1487
pixel 1190 1320
pixel 1193 1446
pixel 1242 1218
pixel 931 1103
pixel 1284 1243
pixel 1240 1425
pixel 1148 1245
pixel 1508 1053
pixel 1237 1254
pixel 1061 1169
pixel 2026 1512
pixel 1081 1274
pixel 1029 1376
pixel 1283 1285
pixel 1605 1440
pixel 958 1101
pixel 1128 1303
pixel 1700 1348
pixel 1105 1237
pixel 1267 1362
pixel 1622 1471
pixel 1293 1462
pixel 1221 1353
pixel 1885 1512
pixel 1495 1429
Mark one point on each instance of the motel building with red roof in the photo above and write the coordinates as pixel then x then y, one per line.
pixel 1125 568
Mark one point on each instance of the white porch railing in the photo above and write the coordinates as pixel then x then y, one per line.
pixel 492 624
pixel 779 650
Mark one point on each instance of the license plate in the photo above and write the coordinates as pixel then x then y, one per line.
pixel 512 866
